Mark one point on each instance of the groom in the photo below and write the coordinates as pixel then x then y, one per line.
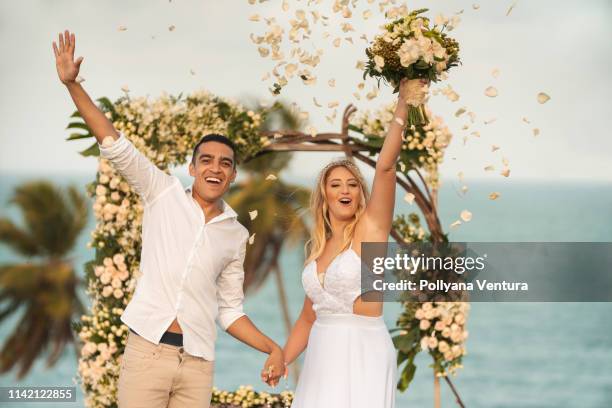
pixel 192 257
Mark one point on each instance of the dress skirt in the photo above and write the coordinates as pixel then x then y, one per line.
pixel 350 362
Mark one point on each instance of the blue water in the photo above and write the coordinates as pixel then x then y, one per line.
pixel 519 355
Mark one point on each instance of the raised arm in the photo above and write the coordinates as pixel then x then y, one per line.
pixel 379 212
pixel 142 175
pixel 68 70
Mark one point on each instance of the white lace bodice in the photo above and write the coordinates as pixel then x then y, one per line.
pixel 342 284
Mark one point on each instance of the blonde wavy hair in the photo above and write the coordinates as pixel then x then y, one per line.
pixel 321 230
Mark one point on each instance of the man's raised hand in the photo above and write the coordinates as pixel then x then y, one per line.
pixel 67 66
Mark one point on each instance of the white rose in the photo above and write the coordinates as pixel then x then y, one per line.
pixel 106 292
pixel 100 190
pixel 118 259
pixel 116 283
pixel 432 342
pixel 439 326
pixel 118 293
pixel 424 325
pixel 105 278
pixel 104 179
pixel 443 347
pixel 379 61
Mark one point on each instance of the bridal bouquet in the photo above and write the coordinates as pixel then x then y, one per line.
pixel 411 48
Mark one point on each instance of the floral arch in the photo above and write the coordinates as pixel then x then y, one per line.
pixel 165 129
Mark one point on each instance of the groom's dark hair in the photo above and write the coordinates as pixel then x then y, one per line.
pixel 215 137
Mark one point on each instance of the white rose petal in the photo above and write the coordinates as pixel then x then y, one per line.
pixel 409 198
pixel 253 214
pixel 543 98
pixel 252 239
pixel 491 92
pixel 455 224
pixel 466 215
pixel 271 177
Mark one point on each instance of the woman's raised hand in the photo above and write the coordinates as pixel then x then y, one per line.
pixel 413 91
pixel 67 66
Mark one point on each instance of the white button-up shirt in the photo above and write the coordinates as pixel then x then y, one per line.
pixel 192 270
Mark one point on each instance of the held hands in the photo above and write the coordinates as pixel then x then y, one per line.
pixel 67 66
pixel 274 367
pixel 413 91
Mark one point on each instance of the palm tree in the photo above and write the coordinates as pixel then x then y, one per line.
pixel 44 285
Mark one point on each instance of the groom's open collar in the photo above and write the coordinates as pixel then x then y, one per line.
pixel 227 211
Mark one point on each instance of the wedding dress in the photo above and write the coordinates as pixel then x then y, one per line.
pixel 350 360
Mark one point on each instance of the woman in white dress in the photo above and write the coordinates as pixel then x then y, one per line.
pixel 350 360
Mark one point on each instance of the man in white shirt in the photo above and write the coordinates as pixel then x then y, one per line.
pixel 192 257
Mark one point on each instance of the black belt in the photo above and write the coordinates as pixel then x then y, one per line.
pixel 174 339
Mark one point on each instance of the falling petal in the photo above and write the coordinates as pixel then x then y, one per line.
pixel 489 121
pixel 465 127
pixel 333 104
pixel 543 98
pixel 192 72
pixel 331 83
pixel 455 224
pixel 475 133
pixel 526 120
pixel 336 42
pixel 271 177
pixel 510 9
pixel 285 5
pixel 349 39
pixel 490 167
pixel 252 239
pixel 360 65
pixel 475 6
pixel 125 89
pixel 495 72
pixel 505 172
pixel 263 51
pixel 464 189
pixel 460 112
pixel 505 161
pixel 357 96
pixel 367 14
pixel 409 198
pixel 536 132
pixel 172 27
pixel 253 214
pixel 494 196
pixel 361 85
pixel 466 215
pixel 491 92
pixel 494 148
pixel 317 104
pixel 79 79
pixel 311 130
pixel 460 175
pixel 122 28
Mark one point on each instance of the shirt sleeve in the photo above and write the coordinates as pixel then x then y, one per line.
pixel 142 175
pixel 230 294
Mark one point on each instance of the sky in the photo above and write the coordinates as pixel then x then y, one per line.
pixel 558 47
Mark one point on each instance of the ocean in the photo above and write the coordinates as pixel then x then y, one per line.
pixel 519 354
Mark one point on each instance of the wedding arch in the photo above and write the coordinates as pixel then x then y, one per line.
pixel 165 129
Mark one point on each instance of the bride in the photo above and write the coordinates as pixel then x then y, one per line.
pixel 350 359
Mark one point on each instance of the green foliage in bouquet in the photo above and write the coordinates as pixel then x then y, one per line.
pixel 409 48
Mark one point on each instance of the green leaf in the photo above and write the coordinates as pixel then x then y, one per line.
pixel 77 125
pixel 406 376
pixel 76 136
pixel 93 150
pixel 107 104
pixel 75 114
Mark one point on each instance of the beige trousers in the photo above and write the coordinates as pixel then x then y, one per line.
pixel 162 376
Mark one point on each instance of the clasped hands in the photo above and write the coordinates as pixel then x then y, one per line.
pixel 274 367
